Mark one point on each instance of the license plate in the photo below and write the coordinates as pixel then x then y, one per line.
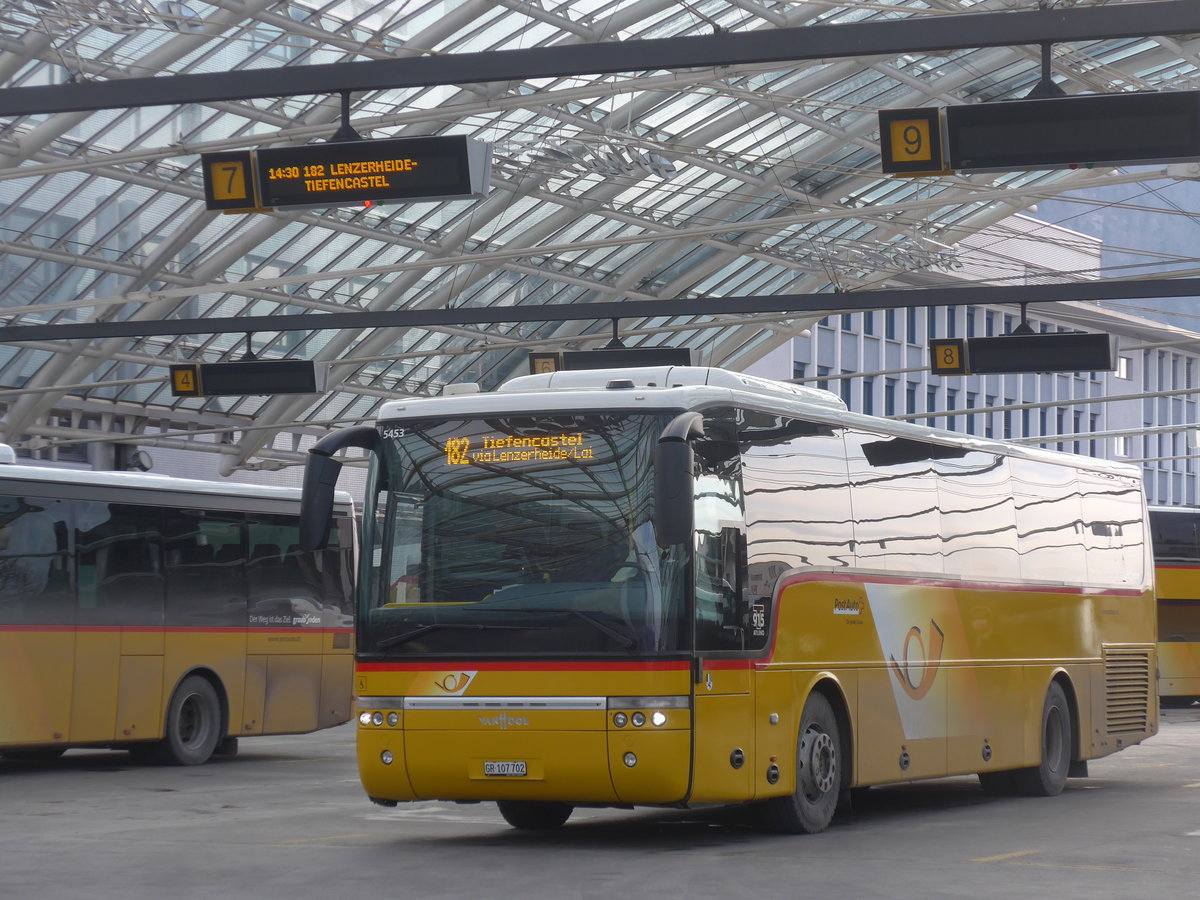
pixel 509 768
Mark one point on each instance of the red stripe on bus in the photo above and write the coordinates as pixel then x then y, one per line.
pixel 158 629
pixel 681 665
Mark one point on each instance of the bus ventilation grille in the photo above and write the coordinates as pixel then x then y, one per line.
pixel 1127 685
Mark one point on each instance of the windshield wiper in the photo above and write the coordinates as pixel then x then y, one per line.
pixel 624 638
pixel 404 637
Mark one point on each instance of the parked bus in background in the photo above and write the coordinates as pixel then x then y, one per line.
pixel 1176 538
pixel 680 586
pixel 165 615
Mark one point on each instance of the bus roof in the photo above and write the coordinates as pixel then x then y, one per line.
pixel 138 481
pixel 697 387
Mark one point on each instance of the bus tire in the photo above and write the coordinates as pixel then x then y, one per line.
pixel 1048 777
pixel 193 726
pixel 819 766
pixel 535 815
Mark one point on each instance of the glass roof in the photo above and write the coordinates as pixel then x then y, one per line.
pixel 751 179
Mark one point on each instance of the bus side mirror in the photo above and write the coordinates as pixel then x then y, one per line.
pixel 320 478
pixel 674 488
pixel 674 482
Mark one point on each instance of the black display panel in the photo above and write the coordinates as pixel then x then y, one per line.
pixel 1015 353
pixel 1107 129
pixel 249 377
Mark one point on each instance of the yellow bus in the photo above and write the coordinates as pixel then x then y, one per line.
pixel 1175 536
pixel 164 615
pixel 681 586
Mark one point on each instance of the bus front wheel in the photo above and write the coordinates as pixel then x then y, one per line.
pixel 193 726
pixel 532 815
pixel 819 766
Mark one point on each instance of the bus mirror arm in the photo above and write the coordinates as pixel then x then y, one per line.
pixel 320 478
pixel 674 482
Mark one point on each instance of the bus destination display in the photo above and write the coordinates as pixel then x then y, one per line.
pixel 462 451
pixel 425 168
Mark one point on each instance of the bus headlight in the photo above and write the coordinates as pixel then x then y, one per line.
pixel 639 719
pixel 364 718
pixel 630 759
pixel 386 757
pixel 659 718
pixel 377 718
pixel 619 719
pixel 393 719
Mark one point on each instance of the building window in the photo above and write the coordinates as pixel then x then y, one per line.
pixel 868 396
pixel 889 324
pixel 930 404
pixel 910 397
pixel 1124 367
pixel 1123 446
pixel 868 322
pixel 889 396
pixel 846 385
pixel 911 325
pixel 799 369
pixel 951 405
pixel 822 377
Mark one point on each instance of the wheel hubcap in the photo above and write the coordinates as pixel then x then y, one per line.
pixel 818 763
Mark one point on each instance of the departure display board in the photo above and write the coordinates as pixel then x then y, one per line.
pixel 351 172
pixel 1085 130
pixel 347 173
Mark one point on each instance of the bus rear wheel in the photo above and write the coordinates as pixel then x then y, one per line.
pixel 193 726
pixel 819 767
pixel 1048 777
pixel 535 815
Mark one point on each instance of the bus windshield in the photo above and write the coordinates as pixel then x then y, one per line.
pixel 518 535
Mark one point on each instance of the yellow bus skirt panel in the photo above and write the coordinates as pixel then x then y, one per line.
pixel 1179 669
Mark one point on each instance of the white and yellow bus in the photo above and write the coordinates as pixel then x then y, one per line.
pixel 1175 536
pixel 685 586
pixel 164 615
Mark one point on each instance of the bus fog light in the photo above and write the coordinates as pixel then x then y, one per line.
pixel 387 757
pixel 393 719
pixel 377 718
pixel 639 719
pixel 659 718
pixel 364 718
pixel 620 719
pixel 631 759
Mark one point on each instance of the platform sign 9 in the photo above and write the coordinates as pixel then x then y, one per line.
pixel 910 141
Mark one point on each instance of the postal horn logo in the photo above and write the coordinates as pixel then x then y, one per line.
pixel 454 683
pixel 925 660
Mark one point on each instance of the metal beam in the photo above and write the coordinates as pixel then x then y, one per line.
pixel 916 34
pixel 819 304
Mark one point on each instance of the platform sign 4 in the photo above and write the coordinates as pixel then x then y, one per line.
pixel 185 380
pixel 911 141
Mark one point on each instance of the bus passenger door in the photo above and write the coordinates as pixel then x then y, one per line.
pixel 723 749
